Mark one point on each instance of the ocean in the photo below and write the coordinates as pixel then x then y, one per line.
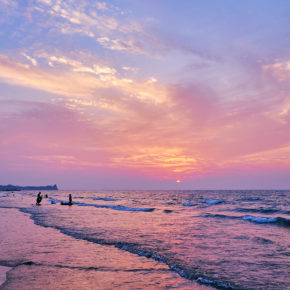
pixel 195 239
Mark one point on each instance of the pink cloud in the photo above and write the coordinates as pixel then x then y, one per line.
pixel 157 130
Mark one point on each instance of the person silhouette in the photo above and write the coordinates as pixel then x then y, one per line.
pixel 70 199
pixel 38 199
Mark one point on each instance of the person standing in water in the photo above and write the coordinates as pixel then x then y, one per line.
pixel 70 199
pixel 38 199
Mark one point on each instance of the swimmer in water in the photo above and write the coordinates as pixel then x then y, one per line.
pixel 38 199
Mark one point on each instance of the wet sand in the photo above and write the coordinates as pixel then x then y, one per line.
pixel 3 271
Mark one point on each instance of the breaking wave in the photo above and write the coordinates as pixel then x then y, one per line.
pixel 275 220
pixel 256 219
pixel 115 207
pixel 105 198
pixel 262 210
pixel 212 202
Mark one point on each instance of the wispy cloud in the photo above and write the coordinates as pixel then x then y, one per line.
pixel 117 44
pixel 93 20
pixel 108 25
pixel 80 80
pixel 32 60
pixel 280 70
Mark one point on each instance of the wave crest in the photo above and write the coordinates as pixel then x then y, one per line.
pixel 115 207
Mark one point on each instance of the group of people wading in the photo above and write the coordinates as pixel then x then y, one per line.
pixel 39 199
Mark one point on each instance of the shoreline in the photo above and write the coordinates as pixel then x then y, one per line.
pixel 69 261
pixel 3 274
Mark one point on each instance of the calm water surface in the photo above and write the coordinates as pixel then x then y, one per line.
pixel 219 239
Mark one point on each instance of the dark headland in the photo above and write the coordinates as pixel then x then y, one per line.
pixel 11 187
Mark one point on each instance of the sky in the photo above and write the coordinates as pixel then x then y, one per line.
pixel 155 94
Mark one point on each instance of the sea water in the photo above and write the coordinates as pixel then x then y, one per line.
pixel 179 239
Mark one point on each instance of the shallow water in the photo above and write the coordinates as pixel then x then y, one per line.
pixel 221 239
pixel 44 258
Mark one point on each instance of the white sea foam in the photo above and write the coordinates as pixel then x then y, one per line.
pixel 204 280
pixel 211 202
pixel 189 204
pixel 258 219
pixel 115 207
pixel 105 198
pixel 54 201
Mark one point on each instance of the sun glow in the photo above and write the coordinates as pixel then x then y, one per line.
pixel 166 160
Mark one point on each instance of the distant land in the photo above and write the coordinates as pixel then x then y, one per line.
pixel 11 187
